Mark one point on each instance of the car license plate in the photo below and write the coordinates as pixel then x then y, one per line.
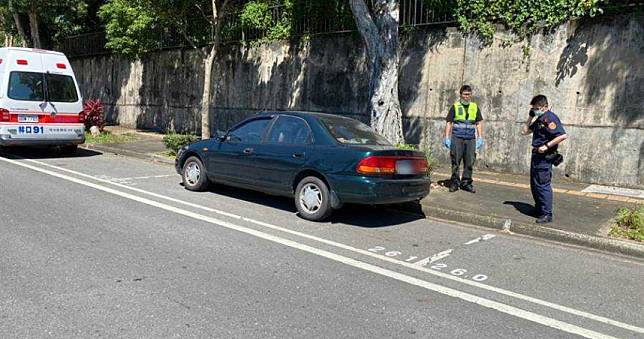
pixel 27 118
pixel 405 167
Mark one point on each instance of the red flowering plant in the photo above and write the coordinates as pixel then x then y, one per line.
pixel 93 110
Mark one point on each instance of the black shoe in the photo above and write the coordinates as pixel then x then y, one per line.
pixel 544 219
pixel 468 188
pixel 453 187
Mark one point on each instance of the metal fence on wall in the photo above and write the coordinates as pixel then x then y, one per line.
pixel 312 19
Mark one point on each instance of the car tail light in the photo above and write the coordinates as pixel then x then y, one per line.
pixel 4 115
pixel 387 165
pixel 377 165
pixel 81 116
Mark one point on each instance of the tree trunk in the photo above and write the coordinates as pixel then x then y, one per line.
pixel 34 27
pixel 207 99
pixel 380 34
pixel 20 29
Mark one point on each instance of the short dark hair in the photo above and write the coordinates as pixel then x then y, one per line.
pixel 465 88
pixel 539 100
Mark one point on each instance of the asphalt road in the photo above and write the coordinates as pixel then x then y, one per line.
pixel 102 245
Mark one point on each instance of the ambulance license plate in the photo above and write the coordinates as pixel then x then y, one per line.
pixel 27 118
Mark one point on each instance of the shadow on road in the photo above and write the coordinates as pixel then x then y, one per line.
pixel 350 214
pixel 44 153
pixel 522 207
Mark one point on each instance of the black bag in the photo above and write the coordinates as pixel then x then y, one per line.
pixel 555 158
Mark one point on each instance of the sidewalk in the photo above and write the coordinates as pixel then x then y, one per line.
pixel 148 146
pixel 503 201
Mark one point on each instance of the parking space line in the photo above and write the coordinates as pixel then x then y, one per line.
pixel 352 249
pixel 507 309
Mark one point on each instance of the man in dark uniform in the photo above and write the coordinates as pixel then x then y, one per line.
pixel 464 123
pixel 547 133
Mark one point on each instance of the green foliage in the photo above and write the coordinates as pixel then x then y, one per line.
pixel 524 18
pixel 431 161
pixel 629 223
pixel 129 26
pixel 108 138
pixel 174 141
pixel 275 20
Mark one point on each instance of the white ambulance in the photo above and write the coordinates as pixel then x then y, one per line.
pixel 40 103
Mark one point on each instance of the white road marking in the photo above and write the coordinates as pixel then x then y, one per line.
pixel 482 238
pixel 357 250
pixel 507 309
pixel 434 258
pixel 143 178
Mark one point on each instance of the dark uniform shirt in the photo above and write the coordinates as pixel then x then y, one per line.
pixel 546 128
pixel 452 113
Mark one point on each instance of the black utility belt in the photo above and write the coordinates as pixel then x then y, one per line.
pixel 554 157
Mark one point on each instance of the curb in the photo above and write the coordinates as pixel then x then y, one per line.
pixel 595 242
pixel 119 151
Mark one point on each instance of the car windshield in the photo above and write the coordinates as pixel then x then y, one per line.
pixel 349 131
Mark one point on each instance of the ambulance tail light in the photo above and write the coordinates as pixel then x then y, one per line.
pixel 4 115
pixel 22 62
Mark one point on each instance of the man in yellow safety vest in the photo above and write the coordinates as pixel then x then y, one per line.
pixel 463 136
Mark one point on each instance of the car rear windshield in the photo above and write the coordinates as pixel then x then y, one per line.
pixel 30 86
pixel 349 131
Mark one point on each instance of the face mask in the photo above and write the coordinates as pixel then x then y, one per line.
pixel 465 102
pixel 536 112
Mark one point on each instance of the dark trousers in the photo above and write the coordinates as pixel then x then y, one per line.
pixel 541 184
pixel 462 150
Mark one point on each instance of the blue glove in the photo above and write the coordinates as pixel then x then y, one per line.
pixel 447 142
pixel 479 143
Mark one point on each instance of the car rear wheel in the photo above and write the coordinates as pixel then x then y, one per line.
pixel 194 175
pixel 312 199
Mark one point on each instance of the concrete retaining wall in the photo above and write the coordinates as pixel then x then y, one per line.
pixel 591 71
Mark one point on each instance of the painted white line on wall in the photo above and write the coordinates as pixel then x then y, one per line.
pixel 507 309
pixel 434 258
pixel 498 290
pixel 627 192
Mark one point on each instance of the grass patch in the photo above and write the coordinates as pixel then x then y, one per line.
pixel 167 154
pixel 109 138
pixel 629 223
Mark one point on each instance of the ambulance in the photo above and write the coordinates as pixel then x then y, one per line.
pixel 40 103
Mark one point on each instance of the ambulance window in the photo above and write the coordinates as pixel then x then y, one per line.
pixel 26 86
pixel 61 88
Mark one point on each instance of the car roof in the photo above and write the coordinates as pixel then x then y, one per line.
pixel 303 114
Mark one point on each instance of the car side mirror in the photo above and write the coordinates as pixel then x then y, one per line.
pixel 221 135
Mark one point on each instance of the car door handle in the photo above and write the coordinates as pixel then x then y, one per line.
pixel 248 151
pixel 298 155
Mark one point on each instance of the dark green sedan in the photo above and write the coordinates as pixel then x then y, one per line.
pixel 321 160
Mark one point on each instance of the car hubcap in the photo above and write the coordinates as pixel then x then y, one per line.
pixel 311 198
pixel 192 173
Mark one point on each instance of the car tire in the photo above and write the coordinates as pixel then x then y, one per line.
pixel 193 175
pixel 312 199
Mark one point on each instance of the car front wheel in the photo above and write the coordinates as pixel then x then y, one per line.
pixel 312 199
pixel 194 175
